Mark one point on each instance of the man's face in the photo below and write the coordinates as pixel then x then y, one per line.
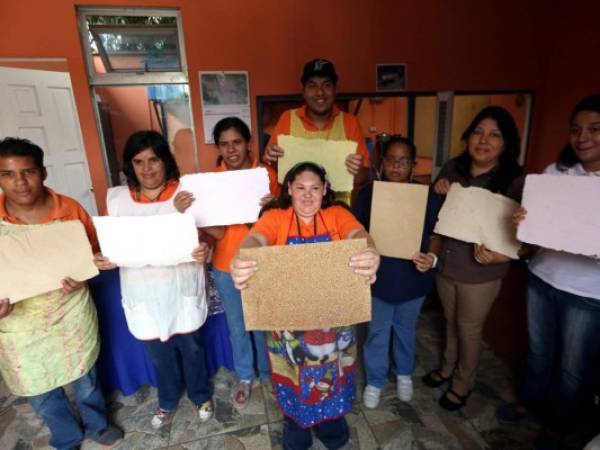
pixel 319 95
pixel 21 180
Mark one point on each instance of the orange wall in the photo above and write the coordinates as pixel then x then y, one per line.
pixel 470 45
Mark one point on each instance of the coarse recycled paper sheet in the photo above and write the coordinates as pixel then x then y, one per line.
pixel 398 217
pixel 563 213
pixel 327 153
pixel 477 215
pixel 305 287
pixel 225 198
pixel 162 240
pixel 35 261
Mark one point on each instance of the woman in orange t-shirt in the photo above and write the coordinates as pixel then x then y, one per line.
pixel 317 387
pixel 232 139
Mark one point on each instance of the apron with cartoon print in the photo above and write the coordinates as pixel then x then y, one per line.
pixel 313 371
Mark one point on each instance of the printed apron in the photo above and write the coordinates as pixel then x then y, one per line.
pixel 313 372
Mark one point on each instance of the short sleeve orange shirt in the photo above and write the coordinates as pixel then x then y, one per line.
pixel 227 246
pixel 65 208
pixel 351 127
pixel 278 224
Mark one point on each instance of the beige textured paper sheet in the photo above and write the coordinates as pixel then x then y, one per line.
pixel 560 213
pixel 398 218
pixel 477 215
pixel 35 261
pixel 329 154
pixel 305 287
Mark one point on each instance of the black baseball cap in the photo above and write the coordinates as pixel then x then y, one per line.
pixel 319 68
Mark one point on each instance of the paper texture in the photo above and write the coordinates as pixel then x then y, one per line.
pixel 563 213
pixel 225 198
pixel 477 215
pixel 305 287
pixel 163 240
pixel 329 154
pixel 35 261
pixel 398 218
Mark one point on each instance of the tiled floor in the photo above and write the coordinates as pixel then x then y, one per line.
pixel 418 425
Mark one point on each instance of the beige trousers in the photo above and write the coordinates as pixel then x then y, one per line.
pixel 466 306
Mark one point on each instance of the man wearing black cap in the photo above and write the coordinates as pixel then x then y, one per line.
pixel 320 118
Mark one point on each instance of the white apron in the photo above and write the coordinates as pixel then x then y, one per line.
pixel 159 302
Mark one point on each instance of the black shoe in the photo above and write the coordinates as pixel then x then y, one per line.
pixel 433 382
pixel 449 405
pixel 109 437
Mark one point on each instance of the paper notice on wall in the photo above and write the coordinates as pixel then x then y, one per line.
pixel 163 240
pixel 225 198
pixel 398 218
pixel 327 153
pixel 224 94
pixel 36 260
pixel 563 213
pixel 305 287
pixel 477 215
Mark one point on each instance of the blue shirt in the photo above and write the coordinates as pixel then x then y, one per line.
pixel 398 280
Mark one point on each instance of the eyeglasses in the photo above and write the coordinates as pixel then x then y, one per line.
pixel 401 162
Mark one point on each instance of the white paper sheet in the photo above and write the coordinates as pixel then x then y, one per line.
pixel 225 198
pixel 477 215
pixel 563 213
pixel 164 240
pixel 36 261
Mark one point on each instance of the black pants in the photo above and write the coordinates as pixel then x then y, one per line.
pixel 333 434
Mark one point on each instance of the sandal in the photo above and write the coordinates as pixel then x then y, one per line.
pixel 449 405
pixel 435 379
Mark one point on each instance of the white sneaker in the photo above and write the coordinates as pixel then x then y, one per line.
pixel 206 411
pixel 371 396
pixel 161 418
pixel 404 387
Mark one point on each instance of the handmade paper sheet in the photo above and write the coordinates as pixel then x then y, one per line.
pixel 164 240
pixel 305 287
pixel 329 154
pixel 36 261
pixel 398 218
pixel 563 213
pixel 477 215
pixel 225 198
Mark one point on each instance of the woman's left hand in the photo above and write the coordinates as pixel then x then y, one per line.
pixel 200 253
pixel 423 261
pixel 484 256
pixel 266 199
pixel 366 264
pixel 183 200
pixel 69 285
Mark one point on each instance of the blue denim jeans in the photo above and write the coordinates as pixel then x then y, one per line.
pixel 66 433
pixel 401 319
pixel 241 340
pixel 564 341
pixel 333 434
pixel 180 360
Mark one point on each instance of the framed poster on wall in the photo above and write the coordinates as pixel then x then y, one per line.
pixel 390 77
pixel 223 94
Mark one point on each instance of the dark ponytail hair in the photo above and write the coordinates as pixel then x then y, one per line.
pixel 284 201
pixel 508 162
pixel 567 157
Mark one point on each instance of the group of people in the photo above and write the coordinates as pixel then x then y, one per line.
pixel 312 372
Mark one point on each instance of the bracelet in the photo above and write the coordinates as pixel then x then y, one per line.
pixel 435 259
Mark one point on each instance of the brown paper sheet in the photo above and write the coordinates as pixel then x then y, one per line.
pixel 35 261
pixel 398 218
pixel 305 287
pixel 477 215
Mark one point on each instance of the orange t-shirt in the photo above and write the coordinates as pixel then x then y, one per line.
pixel 351 128
pixel 166 194
pixel 278 224
pixel 228 245
pixel 64 209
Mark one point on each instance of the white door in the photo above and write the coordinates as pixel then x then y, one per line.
pixel 38 105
